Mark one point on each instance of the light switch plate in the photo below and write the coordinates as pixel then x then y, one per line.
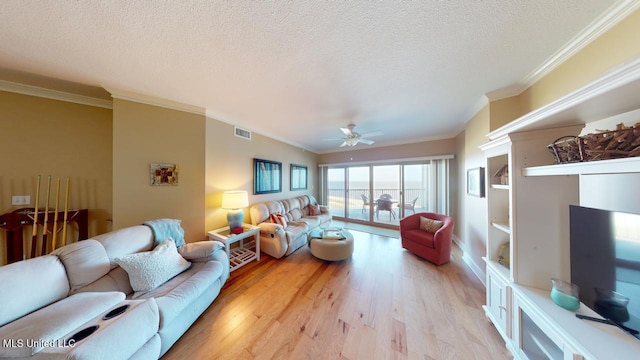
pixel 21 200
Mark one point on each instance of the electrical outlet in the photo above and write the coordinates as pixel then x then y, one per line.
pixel 21 200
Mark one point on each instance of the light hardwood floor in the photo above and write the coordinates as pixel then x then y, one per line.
pixel 383 303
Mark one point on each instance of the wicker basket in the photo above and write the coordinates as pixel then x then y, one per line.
pixel 566 149
pixel 620 143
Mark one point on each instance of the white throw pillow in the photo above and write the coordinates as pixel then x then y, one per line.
pixel 150 269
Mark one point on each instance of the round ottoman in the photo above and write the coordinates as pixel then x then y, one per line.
pixel 332 249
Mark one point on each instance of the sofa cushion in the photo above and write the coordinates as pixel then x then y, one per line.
pixel 147 270
pixel 311 221
pixel 54 322
pixel 126 241
pixel 293 208
pixel 85 262
pixel 118 338
pixel 115 280
pixel 296 230
pixel 201 250
pixel 31 284
pixel 174 296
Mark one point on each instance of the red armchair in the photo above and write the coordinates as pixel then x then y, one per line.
pixel 434 247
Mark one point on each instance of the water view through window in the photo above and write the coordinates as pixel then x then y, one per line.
pixel 384 194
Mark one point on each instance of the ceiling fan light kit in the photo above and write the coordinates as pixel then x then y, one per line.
pixel 352 138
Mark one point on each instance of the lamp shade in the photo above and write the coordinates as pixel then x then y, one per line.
pixel 235 199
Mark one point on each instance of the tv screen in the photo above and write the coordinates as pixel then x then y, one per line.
pixel 605 262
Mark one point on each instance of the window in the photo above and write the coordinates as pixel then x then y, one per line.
pixel 385 193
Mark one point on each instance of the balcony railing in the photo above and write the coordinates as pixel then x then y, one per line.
pixel 336 197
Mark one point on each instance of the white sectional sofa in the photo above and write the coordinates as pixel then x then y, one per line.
pixel 50 302
pixel 278 241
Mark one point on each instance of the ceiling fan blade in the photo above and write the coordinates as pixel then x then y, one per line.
pixel 372 134
pixel 346 131
pixel 343 144
pixel 366 141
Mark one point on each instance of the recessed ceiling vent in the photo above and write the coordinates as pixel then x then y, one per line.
pixel 245 134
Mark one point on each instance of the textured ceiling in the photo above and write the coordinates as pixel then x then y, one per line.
pixel 299 70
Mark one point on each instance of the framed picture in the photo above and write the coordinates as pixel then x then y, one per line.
pixel 298 177
pixel 475 182
pixel 164 174
pixel 267 176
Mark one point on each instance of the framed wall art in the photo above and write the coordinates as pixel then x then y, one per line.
pixel 298 177
pixel 267 176
pixel 475 182
pixel 164 174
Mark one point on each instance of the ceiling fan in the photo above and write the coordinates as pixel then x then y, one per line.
pixel 351 138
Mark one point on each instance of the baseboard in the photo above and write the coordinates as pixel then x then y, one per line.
pixel 470 263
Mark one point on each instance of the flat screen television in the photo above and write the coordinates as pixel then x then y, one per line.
pixel 605 262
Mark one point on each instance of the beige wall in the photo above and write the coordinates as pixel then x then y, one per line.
pixel 49 137
pixel 504 111
pixel 229 166
pixel 618 45
pixel 472 231
pixel 144 134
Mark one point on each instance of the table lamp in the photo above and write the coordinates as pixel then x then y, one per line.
pixel 234 201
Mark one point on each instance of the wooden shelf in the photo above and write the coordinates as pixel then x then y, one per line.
pixel 502 226
pixel 502 270
pixel 615 166
pixel 500 186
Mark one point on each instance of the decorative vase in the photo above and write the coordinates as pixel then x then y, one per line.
pixel 235 219
pixel 565 294
pixel 612 305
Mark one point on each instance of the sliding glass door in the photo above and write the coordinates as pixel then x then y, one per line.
pixel 336 191
pixel 386 193
pixel 415 194
pixel 359 193
pixel 383 194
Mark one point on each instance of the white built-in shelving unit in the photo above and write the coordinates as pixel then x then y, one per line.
pixel 531 214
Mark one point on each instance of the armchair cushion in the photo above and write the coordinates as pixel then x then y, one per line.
pixel 430 225
pixel 420 236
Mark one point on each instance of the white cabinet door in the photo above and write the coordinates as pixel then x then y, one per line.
pixel 498 307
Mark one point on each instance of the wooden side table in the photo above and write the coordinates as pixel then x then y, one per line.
pixel 244 252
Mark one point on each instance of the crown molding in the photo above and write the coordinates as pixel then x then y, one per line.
pixel 616 13
pixel 54 94
pixel 475 109
pixel 612 83
pixel 154 101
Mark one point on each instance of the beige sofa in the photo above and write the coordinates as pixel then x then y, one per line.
pixel 48 300
pixel 277 241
